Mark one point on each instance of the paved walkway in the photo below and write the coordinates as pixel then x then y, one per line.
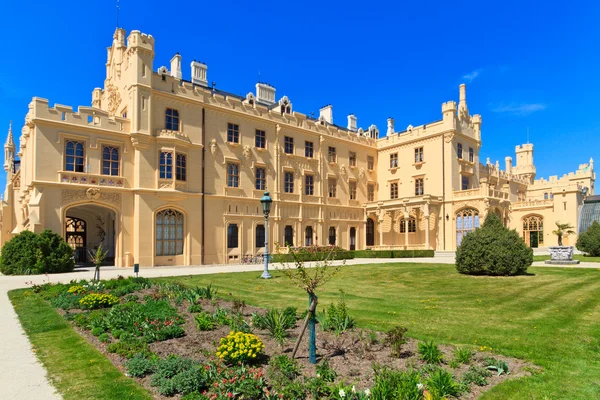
pixel 22 377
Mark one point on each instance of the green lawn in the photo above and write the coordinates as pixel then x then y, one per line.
pixel 549 318
pixel 75 367
pixel 579 257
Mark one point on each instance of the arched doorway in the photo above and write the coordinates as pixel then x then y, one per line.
pixel 89 226
pixel 353 238
pixel 467 221
pixel 533 230
pixel 370 232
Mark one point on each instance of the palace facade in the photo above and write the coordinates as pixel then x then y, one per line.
pixel 166 171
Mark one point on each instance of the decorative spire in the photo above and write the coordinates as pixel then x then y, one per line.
pixel 9 139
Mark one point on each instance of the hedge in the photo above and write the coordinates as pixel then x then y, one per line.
pixel 316 256
pixel 349 254
pixel 393 253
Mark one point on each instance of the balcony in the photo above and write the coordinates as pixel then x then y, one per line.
pixel 479 192
pixel 532 204
pixel 82 178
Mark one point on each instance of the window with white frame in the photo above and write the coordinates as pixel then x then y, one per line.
pixel 419 189
pixel 233 133
pixel 166 165
pixel 171 119
pixel 352 189
pixel 370 163
pixel 74 156
pixel 288 145
pixel 169 232
pixel 331 154
pixel 419 155
pixel 308 149
pixel 288 184
pixel 181 167
pixel 352 159
pixel 110 160
pixel 332 187
pixel 260 177
pixel 471 155
pixel 459 150
pixel 233 175
pixel 394 190
pixel 370 192
pixel 309 185
pixel 394 160
pixel 260 139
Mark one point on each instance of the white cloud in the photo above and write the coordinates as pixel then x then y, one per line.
pixel 472 75
pixel 522 109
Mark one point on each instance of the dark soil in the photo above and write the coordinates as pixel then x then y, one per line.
pixel 351 354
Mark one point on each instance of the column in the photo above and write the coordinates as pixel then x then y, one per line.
pixel 379 226
pixel 406 216
pixel 426 215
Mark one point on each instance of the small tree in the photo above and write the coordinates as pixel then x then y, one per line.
pixel 493 250
pixel 589 241
pixel 309 279
pixel 563 230
pixel 97 257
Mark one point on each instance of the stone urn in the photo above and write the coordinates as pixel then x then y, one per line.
pixel 561 255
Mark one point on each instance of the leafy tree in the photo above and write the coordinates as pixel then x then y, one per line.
pixel 28 253
pixel 563 230
pixel 589 241
pixel 97 257
pixel 493 250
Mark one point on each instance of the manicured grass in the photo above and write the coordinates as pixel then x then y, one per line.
pixel 549 317
pixel 579 257
pixel 76 368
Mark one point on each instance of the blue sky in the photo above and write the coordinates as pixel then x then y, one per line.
pixel 528 65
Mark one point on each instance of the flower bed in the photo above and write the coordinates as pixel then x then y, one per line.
pixel 189 344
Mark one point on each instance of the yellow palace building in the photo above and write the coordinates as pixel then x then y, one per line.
pixel 166 171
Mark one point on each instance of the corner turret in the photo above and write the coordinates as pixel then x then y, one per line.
pixel 9 150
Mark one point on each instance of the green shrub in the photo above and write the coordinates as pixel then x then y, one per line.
pixel 104 338
pixel 81 320
pixel 589 241
pixel 391 384
pixel 93 301
pixel 97 331
pixel 28 253
pixel 395 339
pixel 240 347
pixel 195 308
pixel 393 253
pixel 336 318
pixel 77 289
pixel 314 253
pixel 493 250
pixel 205 321
pixel 140 366
pixel 132 298
pixel 283 368
pixel 442 384
pixel 168 369
pixel 325 371
pixel 276 322
pixel 129 348
pixel 476 375
pixel 190 380
pixel 66 301
pixel 463 355
pixel 430 352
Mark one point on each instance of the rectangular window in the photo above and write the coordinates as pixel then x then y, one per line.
pixel 471 154
pixel 371 192
pixel 288 235
pixel 260 179
pixel 289 182
pixel 419 187
pixel 309 185
pixel 233 175
pixel 171 119
pixel 233 133
pixel 412 225
pixel 260 236
pixel 308 236
pixel 352 159
pixel 308 149
pixel 181 167
pixel 110 160
pixel 331 155
pixel 394 160
pixel 288 145
pixel 465 182
pixel 232 236
pixel 394 190
pixel 166 165
pixel 370 163
pixel 352 190
pixel 260 140
pixel 74 156
pixel 459 150
pixel 332 187
pixel 418 155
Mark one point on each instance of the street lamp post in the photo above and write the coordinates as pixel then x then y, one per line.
pixel 266 206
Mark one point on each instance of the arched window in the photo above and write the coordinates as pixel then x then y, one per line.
pixel 332 236
pixel 260 236
pixel 110 160
pixel 308 236
pixel 412 225
pixel 74 156
pixel 288 235
pixel 370 232
pixel 232 236
pixel 533 230
pixel 467 221
pixel 76 238
pixel 166 165
pixel 169 233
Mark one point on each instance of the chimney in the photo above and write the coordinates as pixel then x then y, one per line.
pixel 176 66
pixel 462 100
pixel 327 113
pixel 508 165
pixel 199 73
pixel 265 93
pixel 390 130
pixel 352 123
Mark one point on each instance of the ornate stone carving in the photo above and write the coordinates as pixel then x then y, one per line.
pixel 246 152
pixel 561 252
pixel 343 170
pixel 213 147
pixel 361 173
pixel 114 99
pixel 92 193
pixel 448 137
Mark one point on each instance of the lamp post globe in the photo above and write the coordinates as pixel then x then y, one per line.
pixel 266 201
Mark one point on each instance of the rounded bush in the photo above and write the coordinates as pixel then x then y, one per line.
pixel 493 250
pixel 589 241
pixel 98 300
pixel 240 347
pixel 28 253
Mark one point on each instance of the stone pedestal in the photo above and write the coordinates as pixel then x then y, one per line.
pixel 561 255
